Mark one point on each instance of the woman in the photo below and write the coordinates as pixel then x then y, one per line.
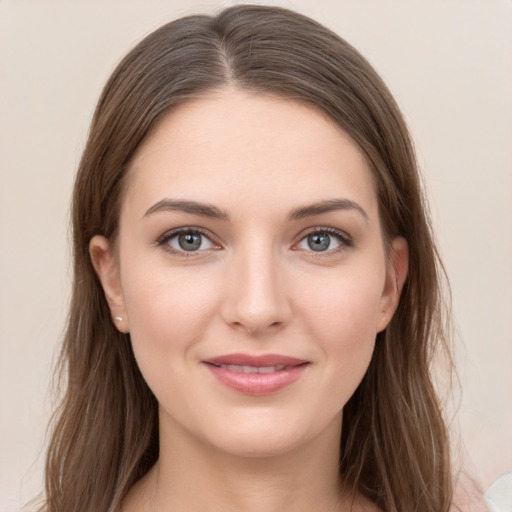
pixel 257 296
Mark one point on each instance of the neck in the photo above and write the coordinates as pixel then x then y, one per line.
pixel 191 475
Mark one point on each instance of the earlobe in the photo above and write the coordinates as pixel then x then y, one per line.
pixel 106 266
pixel 396 276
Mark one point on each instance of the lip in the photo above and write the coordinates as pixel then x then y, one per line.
pixel 256 375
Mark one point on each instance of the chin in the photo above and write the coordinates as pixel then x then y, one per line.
pixel 256 445
pixel 259 435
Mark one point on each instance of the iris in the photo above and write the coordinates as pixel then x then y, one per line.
pixel 319 241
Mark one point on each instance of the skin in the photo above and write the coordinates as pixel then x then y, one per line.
pixel 255 286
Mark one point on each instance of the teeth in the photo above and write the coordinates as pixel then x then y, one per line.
pixel 252 369
pixel 270 369
pixel 267 369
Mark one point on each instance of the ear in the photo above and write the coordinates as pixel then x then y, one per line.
pixel 396 274
pixel 107 268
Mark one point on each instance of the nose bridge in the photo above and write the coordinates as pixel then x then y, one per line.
pixel 256 297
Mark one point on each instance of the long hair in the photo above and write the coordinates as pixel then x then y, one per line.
pixel 394 443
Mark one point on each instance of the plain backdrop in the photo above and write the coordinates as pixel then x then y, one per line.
pixel 448 63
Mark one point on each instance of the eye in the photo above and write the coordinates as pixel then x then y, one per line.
pixel 188 240
pixel 324 240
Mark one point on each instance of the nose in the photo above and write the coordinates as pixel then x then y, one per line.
pixel 256 299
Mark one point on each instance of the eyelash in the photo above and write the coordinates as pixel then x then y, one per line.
pixel 345 240
pixel 163 241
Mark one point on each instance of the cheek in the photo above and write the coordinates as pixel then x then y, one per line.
pixel 167 312
pixel 350 304
pixel 167 315
pixel 343 318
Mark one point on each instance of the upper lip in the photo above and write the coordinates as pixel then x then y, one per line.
pixel 264 360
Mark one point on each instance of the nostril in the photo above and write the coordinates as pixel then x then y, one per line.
pixel 256 308
pixel 255 328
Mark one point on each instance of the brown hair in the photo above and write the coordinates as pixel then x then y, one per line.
pixel 105 434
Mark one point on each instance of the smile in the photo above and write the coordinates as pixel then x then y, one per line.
pixel 256 375
pixel 252 369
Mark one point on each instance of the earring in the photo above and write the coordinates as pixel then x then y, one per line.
pixel 118 318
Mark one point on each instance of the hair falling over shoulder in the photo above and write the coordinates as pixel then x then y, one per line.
pixel 395 447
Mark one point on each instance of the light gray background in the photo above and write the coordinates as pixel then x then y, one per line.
pixel 449 64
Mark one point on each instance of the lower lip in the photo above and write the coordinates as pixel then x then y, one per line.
pixel 257 384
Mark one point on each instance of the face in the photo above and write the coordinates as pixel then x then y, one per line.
pixel 250 271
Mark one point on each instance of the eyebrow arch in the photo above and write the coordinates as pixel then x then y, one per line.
pixel 326 206
pixel 193 207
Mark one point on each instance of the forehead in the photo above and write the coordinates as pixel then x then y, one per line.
pixel 236 147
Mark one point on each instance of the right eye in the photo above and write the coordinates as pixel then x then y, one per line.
pixel 187 241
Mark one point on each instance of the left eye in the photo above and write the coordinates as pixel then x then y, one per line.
pixel 189 241
pixel 320 241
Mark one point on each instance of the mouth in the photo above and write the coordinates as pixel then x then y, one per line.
pixel 256 375
pixel 252 369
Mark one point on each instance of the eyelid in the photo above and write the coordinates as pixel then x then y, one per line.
pixel 172 233
pixel 344 238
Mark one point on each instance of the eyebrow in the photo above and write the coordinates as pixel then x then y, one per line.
pixel 326 206
pixel 211 211
pixel 202 209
